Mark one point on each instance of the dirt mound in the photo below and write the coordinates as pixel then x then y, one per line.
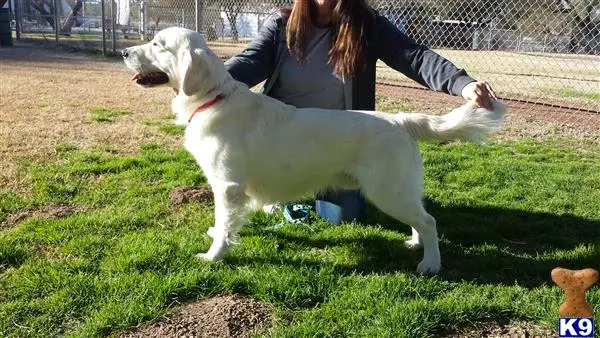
pixel 495 330
pixel 221 316
pixel 184 195
pixel 46 211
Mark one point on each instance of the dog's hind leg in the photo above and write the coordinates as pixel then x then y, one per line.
pixel 231 211
pixel 413 214
pixel 401 199
pixel 427 230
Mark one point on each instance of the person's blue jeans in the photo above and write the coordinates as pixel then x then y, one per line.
pixel 337 206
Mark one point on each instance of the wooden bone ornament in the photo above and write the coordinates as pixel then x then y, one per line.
pixel 575 283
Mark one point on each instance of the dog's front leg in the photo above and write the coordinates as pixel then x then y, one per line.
pixel 231 211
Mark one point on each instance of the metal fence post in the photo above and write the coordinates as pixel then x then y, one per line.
pixel 18 19
pixel 143 20
pixel 198 16
pixel 56 23
pixel 103 20
pixel 113 26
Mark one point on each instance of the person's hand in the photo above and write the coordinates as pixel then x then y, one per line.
pixel 480 92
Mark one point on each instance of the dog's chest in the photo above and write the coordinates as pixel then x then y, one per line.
pixel 218 159
pixel 204 149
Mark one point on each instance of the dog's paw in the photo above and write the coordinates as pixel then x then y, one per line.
pixel 429 267
pixel 207 257
pixel 413 244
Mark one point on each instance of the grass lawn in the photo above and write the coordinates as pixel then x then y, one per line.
pixel 507 214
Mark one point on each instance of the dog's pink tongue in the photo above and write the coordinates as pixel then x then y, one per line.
pixel 136 76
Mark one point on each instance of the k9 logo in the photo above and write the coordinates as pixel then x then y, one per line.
pixel 575 327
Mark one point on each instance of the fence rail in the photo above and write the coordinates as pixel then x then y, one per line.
pixel 533 50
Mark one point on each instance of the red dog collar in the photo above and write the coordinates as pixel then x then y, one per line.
pixel 206 105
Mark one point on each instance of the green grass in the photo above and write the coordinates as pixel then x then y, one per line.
pixel 166 125
pixel 507 214
pixel 387 104
pixel 568 92
pixel 171 129
pixel 107 115
pixel 571 93
pixel 72 36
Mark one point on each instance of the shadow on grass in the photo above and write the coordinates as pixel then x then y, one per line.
pixel 506 246
pixel 478 245
pixel 377 253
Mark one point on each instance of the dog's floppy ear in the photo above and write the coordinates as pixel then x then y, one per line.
pixel 195 71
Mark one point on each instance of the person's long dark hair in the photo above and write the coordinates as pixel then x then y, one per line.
pixel 351 22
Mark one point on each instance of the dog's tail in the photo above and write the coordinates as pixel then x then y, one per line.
pixel 465 123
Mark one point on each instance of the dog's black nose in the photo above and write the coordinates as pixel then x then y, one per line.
pixel 125 53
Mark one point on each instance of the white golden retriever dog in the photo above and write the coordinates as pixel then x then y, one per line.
pixel 255 150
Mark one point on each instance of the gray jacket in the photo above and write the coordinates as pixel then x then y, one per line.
pixel 264 56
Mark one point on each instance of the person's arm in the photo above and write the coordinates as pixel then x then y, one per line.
pixel 254 64
pixel 418 62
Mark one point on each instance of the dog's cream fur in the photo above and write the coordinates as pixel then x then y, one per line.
pixel 255 150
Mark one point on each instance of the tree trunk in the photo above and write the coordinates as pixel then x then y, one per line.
pixel 39 6
pixel 581 36
pixel 68 23
pixel 232 13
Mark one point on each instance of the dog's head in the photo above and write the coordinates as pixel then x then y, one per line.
pixel 178 58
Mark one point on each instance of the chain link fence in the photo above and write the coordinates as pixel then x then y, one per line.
pixel 543 52
pixel 112 25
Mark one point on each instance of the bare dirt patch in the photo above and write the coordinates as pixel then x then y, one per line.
pixel 46 211
pixel 184 195
pixel 512 330
pixel 221 316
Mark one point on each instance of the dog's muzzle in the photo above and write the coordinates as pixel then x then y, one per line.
pixel 146 79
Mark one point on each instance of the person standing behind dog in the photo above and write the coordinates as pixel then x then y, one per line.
pixel 323 54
